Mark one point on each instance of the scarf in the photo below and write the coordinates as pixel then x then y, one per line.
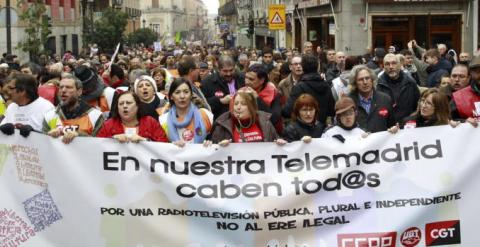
pixel 194 115
pixel 340 124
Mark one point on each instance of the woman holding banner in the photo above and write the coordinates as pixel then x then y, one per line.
pixel 184 122
pixel 346 121
pixel 129 122
pixel 304 125
pixel 244 122
pixel 433 109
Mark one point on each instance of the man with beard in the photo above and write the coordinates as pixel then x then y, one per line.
pixel 311 83
pixel 401 88
pixel 459 78
pixel 334 72
pixel 267 59
pixel 466 101
pixel 72 117
pixel 219 88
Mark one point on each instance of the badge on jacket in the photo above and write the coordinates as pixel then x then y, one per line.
pixel 410 124
pixel 219 94
pixel 383 112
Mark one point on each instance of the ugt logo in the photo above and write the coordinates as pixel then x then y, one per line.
pixel 411 237
pixel 443 233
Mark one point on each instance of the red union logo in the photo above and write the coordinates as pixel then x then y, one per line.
pixel 380 239
pixel 411 237
pixel 442 233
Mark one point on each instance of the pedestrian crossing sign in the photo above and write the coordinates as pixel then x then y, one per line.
pixel 276 17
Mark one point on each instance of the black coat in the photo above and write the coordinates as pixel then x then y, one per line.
pixel 295 130
pixel 380 117
pixel 408 98
pixel 435 72
pixel 314 85
pixel 214 88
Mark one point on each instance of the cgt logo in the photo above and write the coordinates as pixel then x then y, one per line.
pixel 381 239
pixel 442 233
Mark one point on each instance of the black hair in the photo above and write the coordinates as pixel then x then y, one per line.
pixel 175 84
pixel 140 112
pixel 116 70
pixel 186 64
pixel 309 63
pixel 27 83
pixel 260 70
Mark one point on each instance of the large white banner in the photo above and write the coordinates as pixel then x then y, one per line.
pixel 419 187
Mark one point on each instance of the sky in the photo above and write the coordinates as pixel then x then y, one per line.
pixel 212 6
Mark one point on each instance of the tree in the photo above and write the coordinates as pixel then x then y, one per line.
pixel 108 30
pixel 37 27
pixel 142 35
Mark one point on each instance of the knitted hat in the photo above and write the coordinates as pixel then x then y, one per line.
pixel 145 78
pixel 344 104
pixel 84 73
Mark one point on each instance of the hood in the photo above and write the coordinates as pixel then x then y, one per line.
pixel 442 64
pixel 345 76
pixel 313 82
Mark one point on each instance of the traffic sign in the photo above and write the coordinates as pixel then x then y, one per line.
pixel 276 17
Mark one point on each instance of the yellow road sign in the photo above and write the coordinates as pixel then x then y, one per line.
pixel 276 17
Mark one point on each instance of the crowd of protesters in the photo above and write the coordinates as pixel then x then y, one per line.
pixel 196 94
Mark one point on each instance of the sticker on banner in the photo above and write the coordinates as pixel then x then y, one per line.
pixel 442 233
pixel 42 210
pixel 385 239
pixel 13 229
pixel 411 237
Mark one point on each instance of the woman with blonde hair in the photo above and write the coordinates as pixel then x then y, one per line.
pixel 244 122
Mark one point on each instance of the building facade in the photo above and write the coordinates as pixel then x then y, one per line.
pixel 66 27
pixel 172 19
pixel 354 25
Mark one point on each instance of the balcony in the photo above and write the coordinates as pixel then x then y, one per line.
pixel 228 9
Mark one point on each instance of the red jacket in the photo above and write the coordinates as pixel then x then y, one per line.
pixel 148 128
pixel 465 99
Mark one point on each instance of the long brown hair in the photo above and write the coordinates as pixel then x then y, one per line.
pixel 251 103
pixel 441 105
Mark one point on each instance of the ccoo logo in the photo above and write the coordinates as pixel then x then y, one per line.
pixel 380 239
pixel 442 233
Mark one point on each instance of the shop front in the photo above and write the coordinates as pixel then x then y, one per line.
pixel 428 22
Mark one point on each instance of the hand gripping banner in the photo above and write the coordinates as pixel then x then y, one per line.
pixel 415 188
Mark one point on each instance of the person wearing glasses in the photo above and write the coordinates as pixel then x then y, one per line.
pixel 374 108
pixel 459 79
pixel 433 110
pixel 285 86
pixel 346 125
pixel 304 125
